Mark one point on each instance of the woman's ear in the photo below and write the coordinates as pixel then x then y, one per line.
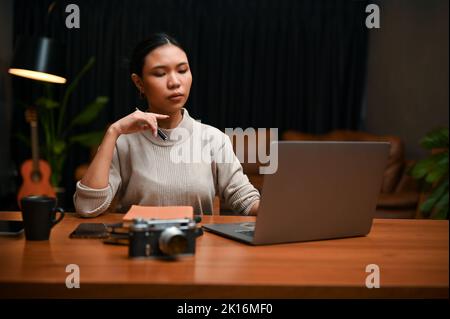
pixel 137 81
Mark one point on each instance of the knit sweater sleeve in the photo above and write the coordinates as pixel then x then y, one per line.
pixel 90 202
pixel 233 185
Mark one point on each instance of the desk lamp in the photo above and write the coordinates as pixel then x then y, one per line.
pixel 39 59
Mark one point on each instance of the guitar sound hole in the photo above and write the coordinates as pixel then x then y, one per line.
pixel 36 176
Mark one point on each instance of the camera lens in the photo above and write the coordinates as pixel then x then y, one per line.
pixel 172 241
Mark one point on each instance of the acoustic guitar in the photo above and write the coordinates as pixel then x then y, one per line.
pixel 35 172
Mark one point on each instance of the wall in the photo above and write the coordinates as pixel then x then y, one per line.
pixel 407 84
pixel 6 49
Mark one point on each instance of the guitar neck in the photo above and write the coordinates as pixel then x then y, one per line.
pixel 34 145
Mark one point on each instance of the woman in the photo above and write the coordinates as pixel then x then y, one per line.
pixel 138 166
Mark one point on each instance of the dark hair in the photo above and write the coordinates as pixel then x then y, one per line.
pixel 146 46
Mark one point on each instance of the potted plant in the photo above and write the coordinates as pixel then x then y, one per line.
pixel 58 129
pixel 432 172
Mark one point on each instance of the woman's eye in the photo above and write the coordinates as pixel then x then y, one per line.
pixel 183 71
pixel 159 74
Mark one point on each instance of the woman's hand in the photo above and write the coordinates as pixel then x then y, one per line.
pixel 97 174
pixel 138 121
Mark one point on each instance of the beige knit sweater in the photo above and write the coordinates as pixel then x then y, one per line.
pixel 190 168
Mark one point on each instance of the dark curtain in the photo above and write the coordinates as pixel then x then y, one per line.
pixel 288 64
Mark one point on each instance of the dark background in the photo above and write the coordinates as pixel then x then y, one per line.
pixel 311 65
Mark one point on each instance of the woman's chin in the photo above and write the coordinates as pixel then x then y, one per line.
pixel 167 108
pixel 171 108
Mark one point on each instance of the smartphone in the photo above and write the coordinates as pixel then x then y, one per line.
pixel 11 227
pixel 90 230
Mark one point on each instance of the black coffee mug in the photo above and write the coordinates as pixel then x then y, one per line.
pixel 39 216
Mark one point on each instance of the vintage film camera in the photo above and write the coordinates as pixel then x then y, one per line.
pixel 166 238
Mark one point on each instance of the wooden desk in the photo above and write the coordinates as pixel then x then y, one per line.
pixel 412 255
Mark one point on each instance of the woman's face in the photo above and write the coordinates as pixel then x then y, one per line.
pixel 166 79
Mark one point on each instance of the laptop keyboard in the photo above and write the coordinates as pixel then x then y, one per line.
pixel 247 229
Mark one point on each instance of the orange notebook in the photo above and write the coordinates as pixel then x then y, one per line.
pixel 158 212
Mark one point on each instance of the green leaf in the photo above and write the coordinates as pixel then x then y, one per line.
pixel 47 103
pixel 69 91
pixel 59 147
pixel 442 207
pixel 425 166
pixel 442 214
pixel 435 139
pixel 437 172
pixel 78 77
pixel 90 112
pixel 48 89
pixel 88 139
pixel 437 193
pixel 57 164
pixel 422 168
pixel 426 207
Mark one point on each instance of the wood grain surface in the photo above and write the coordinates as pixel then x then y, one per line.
pixel 412 256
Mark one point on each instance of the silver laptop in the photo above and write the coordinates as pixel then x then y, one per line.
pixel 321 190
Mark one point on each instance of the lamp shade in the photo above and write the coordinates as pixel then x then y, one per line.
pixel 39 59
